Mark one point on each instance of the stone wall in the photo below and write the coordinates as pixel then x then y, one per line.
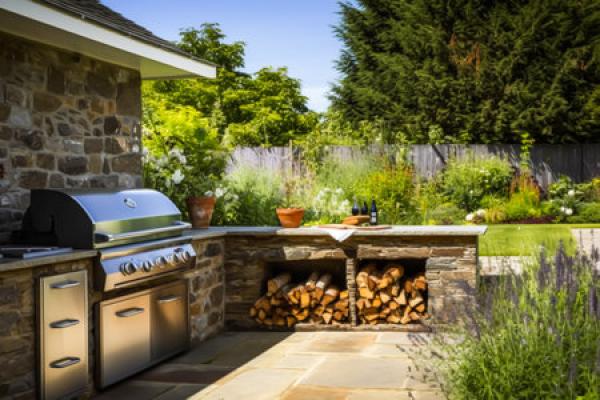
pixel 207 289
pixel 65 121
pixel 450 267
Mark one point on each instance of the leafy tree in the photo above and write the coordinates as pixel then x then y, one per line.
pixel 472 70
pixel 266 108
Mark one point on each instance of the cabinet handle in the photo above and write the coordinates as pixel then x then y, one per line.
pixel 65 323
pixel 65 362
pixel 168 299
pixel 130 312
pixel 65 284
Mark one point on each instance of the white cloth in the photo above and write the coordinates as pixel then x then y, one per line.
pixel 339 234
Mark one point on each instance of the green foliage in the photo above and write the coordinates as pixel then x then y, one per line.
pixel 446 214
pixel 533 336
pixel 588 212
pixel 466 71
pixel 266 108
pixel 468 180
pixel 522 205
pixel 495 210
pixel 248 197
pixel 183 157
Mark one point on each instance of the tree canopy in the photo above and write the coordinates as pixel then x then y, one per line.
pixel 471 71
pixel 264 108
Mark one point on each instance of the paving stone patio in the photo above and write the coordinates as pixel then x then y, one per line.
pixel 290 366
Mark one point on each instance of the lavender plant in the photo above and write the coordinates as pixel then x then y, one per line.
pixel 533 336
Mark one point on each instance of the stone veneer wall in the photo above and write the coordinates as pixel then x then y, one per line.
pixel 18 338
pixel 450 263
pixel 207 289
pixel 65 121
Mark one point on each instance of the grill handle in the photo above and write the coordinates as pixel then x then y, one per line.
pixel 65 362
pixel 102 237
pixel 65 323
pixel 65 284
pixel 130 312
pixel 168 299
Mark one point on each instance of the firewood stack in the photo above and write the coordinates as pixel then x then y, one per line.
pixel 316 301
pixel 390 297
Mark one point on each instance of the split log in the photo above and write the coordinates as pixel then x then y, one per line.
pixel 273 285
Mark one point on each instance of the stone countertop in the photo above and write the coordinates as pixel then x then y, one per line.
pixel 13 264
pixel 397 230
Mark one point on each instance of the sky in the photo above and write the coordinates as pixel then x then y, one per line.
pixel 297 34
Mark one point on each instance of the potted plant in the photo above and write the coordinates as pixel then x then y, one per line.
pixel 290 216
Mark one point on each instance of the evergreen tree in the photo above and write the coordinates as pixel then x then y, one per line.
pixel 472 70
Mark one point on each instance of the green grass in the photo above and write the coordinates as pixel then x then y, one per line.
pixel 525 240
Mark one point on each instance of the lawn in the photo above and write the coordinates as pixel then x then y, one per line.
pixel 519 240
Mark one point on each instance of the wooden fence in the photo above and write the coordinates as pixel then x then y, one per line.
pixel 581 162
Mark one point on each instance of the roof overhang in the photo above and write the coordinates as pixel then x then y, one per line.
pixel 39 23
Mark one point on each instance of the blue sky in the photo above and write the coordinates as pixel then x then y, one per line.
pixel 292 33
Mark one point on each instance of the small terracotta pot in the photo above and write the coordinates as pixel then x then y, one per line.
pixel 201 210
pixel 290 217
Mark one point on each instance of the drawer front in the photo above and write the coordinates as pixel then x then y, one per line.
pixel 124 338
pixel 170 333
pixel 63 320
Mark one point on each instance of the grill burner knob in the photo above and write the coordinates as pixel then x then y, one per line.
pixel 178 257
pixel 147 265
pixel 128 268
pixel 186 255
pixel 171 260
pixel 161 262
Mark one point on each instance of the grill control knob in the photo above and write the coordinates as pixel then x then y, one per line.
pixel 178 257
pixel 171 260
pixel 160 261
pixel 128 268
pixel 186 255
pixel 147 265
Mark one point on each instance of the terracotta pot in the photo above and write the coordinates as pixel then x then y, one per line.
pixel 290 217
pixel 200 210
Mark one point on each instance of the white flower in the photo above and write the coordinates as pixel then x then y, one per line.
pixel 162 161
pixel 469 217
pixel 563 209
pixel 571 193
pixel 219 192
pixel 145 151
pixel 209 193
pixel 480 213
pixel 569 211
pixel 339 191
pixel 177 176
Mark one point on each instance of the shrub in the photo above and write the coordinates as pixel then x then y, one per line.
pixel 522 205
pixel 248 197
pixel 468 180
pixel 446 214
pixel 495 209
pixel 393 189
pixel 533 336
pixel 588 213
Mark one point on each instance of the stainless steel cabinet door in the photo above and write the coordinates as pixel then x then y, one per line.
pixel 170 332
pixel 63 323
pixel 124 338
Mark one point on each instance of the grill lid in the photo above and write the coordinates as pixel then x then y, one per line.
pixel 102 218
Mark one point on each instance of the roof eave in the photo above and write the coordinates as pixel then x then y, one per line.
pixel 40 23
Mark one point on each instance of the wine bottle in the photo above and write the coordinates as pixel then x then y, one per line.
pixel 355 209
pixel 364 210
pixel 373 212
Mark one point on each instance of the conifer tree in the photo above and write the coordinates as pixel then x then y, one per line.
pixel 472 71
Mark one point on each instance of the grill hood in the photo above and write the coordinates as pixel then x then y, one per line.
pixel 88 219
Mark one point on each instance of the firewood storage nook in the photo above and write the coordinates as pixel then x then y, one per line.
pixel 404 279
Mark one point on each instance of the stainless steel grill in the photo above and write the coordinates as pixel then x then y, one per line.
pixel 138 234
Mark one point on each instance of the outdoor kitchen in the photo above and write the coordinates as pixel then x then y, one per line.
pixel 101 279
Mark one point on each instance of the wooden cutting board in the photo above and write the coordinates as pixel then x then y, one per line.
pixel 356 220
pixel 358 228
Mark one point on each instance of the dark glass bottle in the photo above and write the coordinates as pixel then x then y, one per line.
pixel 355 209
pixel 364 210
pixel 373 220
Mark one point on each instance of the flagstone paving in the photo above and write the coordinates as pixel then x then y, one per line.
pixel 292 366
